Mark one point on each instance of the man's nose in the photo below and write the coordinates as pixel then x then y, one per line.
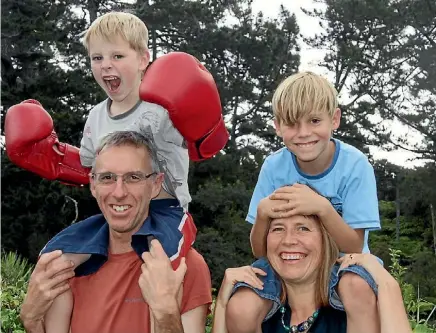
pixel 120 188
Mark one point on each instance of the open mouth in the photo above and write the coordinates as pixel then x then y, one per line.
pixel 306 145
pixel 292 257
pixel 120 208
pixel 112 83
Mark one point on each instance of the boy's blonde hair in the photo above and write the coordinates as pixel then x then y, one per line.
pixel 304 93
pixel 113 24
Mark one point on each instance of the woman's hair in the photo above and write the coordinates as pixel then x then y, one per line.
pixel 330 253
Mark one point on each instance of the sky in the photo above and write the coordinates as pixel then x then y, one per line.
pixel 310 58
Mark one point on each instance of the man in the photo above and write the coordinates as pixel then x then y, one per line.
pixel 126 294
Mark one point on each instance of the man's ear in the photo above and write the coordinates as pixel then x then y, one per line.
pixel 157 184
pixel 336 120
pixel 277 127
pixel 92 186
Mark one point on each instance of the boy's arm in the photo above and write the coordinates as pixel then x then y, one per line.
pixel 359 209
pixel 349 240
pixel 87 150
pixel 264 187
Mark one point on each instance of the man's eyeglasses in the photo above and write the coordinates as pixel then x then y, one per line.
pixel 129 178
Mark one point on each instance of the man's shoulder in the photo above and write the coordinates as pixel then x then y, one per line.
pixel 194 258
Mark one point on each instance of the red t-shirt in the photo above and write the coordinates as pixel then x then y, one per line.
pixel 110 301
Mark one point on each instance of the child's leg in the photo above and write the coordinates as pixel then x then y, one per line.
pixel 354 291
pixel 57 319
pixel 246 311
pixel 360 304
pixel 77 258
pixel 248 307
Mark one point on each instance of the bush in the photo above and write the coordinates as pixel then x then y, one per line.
pixel 15 273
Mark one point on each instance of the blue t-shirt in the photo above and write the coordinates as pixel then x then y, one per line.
pixel 349 184
pixel 329 320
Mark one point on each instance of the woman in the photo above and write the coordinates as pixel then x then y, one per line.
pixel 303 254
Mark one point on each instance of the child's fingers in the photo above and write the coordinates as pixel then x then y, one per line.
pixel 284 207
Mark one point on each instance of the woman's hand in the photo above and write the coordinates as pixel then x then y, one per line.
pixel 370 263
pixel 245 274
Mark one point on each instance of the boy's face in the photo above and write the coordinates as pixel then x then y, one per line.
pixel 117 68
pixel 309 138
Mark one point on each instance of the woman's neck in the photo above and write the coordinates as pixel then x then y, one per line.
pixel 301 300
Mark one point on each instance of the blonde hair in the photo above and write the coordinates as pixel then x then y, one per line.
pixel 304 93
pixel 113 24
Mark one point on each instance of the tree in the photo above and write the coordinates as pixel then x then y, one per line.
pixel 39 40
pixel 248 56
pixel 382 53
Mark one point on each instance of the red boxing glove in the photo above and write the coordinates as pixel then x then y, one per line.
pixel 32 144
pixel 181 84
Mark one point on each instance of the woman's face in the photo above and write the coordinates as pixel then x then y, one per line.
pixel 294 247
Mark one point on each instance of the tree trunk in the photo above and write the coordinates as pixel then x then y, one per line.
pixel 93 10
pixel 433 224
pixel 397 205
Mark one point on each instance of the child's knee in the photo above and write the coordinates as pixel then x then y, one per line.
pixel 245 311
pixel 355 292
pixel 77 258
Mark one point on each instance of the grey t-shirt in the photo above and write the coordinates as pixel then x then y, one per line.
pixel 154 119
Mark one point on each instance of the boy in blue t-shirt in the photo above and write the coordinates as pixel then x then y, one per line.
pixel 306 114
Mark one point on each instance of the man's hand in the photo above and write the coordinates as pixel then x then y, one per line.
pixel 297 199
pixel 48 280
pixel 160 284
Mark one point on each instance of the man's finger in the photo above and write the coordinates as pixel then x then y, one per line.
pixel 181 270
pixel 146 257
pixel 46 258
pixel 57 267
pixel 157 250
pixel 59 279
pixel 258 271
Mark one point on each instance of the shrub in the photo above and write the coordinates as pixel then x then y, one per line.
pixel 15 273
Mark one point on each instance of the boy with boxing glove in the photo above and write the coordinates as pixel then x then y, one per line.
pixel 180 109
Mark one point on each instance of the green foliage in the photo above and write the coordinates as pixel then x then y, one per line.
pixel 15 273
pixel 415 306
pixel 381 53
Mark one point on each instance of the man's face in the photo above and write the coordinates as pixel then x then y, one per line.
pixel 125 205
